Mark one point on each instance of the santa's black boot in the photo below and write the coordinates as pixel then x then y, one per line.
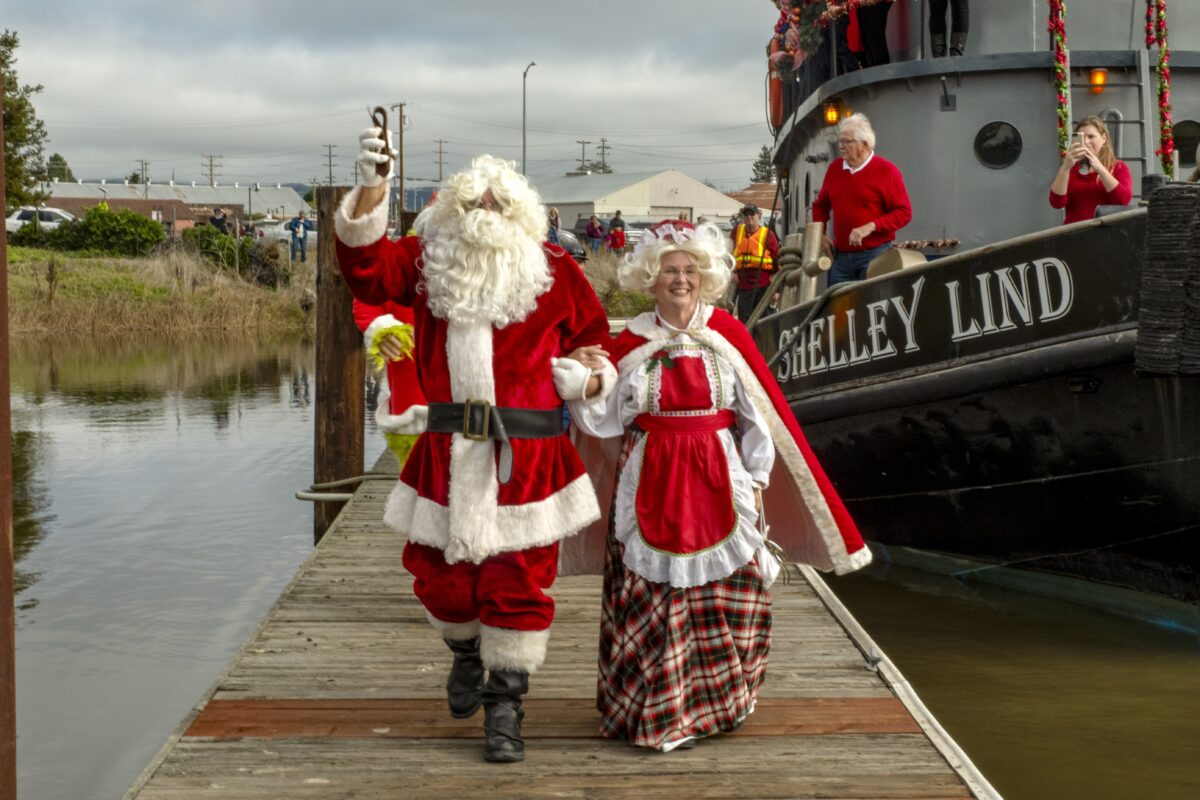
pixel 503 714
pixel 464 688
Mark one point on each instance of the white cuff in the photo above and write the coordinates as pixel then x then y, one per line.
pixel 570 378
pixel 364 230
pixel 608 379
pixel 382 322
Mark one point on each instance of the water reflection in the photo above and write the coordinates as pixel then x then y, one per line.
pixel 154 524
pixel 30 505
pixel 1048 698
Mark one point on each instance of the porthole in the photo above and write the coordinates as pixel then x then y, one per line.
pixel 1187 139
pixel 998 145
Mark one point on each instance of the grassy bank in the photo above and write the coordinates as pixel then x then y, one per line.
pixel 173 294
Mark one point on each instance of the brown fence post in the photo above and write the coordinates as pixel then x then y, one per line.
pixel 8 643
pixel 341 370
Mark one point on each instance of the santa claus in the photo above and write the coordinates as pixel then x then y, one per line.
pixel 493 483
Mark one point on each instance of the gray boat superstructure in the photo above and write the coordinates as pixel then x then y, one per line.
pixel 1005 76
pixel 994 402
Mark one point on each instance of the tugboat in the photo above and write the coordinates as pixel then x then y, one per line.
pixel 1003 392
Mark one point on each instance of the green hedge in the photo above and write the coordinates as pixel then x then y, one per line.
pixel 118 233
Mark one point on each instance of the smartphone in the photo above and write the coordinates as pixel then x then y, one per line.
pixel 1078 138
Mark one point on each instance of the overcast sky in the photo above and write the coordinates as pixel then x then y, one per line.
pixel 266 85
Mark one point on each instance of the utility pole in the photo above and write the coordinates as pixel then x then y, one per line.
pixel 583 143
pixel 398 110
pixel 8 670
pixel 441 162
pixel 329 160
pixel 212 167
pixel 144 164
pixel 604 148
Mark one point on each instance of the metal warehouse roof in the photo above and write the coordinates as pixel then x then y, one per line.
pixel 263 198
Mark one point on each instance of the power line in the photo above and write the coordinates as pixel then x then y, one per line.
pixel 603 148
pixel 583 143
pixel 212 167
pixel 329 160
pixel 441 161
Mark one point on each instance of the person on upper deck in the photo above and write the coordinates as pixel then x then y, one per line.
pixel 865 194
pixel 1090 175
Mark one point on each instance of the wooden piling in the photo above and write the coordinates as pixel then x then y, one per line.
pixel 8 685
pixel 341 370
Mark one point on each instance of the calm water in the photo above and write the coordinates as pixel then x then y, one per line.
pixel 155 525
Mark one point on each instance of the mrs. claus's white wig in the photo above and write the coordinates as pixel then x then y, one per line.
pixel 704 243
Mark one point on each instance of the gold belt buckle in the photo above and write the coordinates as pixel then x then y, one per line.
pixel 487 418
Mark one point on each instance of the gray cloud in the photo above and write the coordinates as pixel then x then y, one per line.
pixel 267 85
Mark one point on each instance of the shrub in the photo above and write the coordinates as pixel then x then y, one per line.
pixel 212 245
pixel 102 230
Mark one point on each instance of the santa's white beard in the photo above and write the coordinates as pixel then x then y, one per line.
pixel 482 267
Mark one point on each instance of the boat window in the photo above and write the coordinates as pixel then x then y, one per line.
pixel 1187 139
pixel 998 145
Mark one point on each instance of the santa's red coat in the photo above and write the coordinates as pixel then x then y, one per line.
pixel 447 497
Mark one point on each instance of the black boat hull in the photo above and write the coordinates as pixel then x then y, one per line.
pixel 1034 445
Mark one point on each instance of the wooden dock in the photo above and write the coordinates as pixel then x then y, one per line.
pixel 339 693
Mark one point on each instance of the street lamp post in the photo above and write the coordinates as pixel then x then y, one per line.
pixel 523 76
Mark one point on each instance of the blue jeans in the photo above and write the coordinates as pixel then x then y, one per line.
pixel 302 246
pixel 595 243
pixel 851 265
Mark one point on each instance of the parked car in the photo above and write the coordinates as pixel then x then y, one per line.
pixel 277 231
pixel 567 241
pixel 47 217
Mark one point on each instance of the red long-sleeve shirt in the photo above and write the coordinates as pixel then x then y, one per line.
pixel 875 193
pixel 1085 192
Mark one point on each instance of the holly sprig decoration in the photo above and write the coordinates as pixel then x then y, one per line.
pixel 661 357
pixel 1156 34
pixel 1062 86
pixel 840 8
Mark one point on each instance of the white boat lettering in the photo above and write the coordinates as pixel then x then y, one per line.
pixel 908 316
pixel 1013 296
pixel 1004 299
pixel 1066 289
pixel 857 355
pixel 877 330
pixel 1008 288
pixel 837 359
pixel 816 360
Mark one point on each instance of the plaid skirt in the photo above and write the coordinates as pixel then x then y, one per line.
pixel 678 663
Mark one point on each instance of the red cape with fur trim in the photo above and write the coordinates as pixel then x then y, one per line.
pixel 792 529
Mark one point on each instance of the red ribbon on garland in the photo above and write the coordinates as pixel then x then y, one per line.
pixel 1062 86
pixel 1156 34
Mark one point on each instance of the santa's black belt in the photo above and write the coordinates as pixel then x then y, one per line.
pixel 479 421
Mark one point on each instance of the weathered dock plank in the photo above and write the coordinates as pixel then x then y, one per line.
pixel 340 693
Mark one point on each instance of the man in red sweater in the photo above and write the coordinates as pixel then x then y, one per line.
pixel 865 194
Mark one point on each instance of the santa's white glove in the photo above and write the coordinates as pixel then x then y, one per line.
pixel 371 153
pixel 570 378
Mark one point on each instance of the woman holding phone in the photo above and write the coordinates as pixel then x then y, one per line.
pixel 1090 174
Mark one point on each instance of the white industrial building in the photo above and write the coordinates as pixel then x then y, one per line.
pixel 640 197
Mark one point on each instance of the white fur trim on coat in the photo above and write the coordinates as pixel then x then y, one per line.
pixel 454 631
pixel 506 648
pixel 562 514
pixel 472 534
pixel 365 230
